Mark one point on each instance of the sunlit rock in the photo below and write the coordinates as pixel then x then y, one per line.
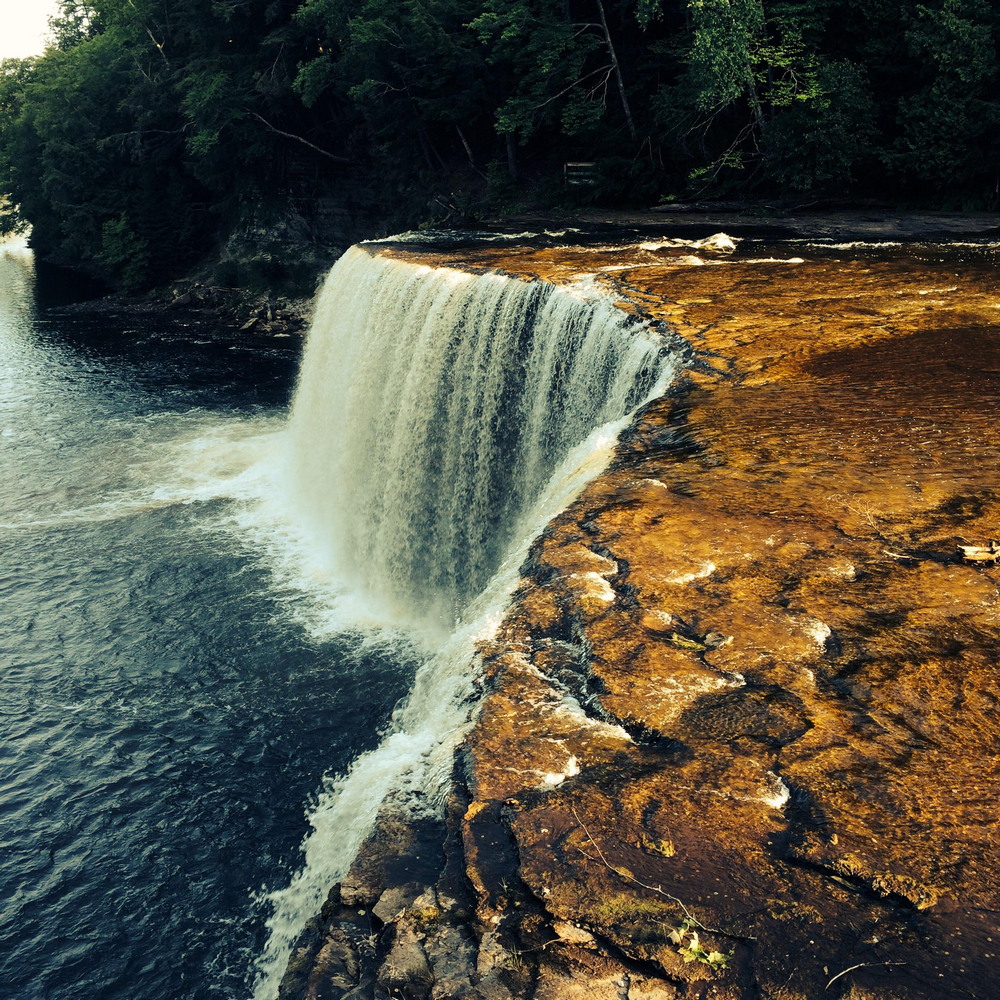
pixel 780 656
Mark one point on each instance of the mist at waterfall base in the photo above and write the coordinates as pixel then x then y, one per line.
pixel 229 636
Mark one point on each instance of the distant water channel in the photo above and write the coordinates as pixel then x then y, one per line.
pixel 165 716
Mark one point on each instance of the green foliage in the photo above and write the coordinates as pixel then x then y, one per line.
pixel 816 141
pixel 314 78
pixel 55 162
pixel 75 22
pixel 124 253
pixel 405 83
pixel 949 124
pixel 723 52
pixel 543 56
pixel 211 103
pixel 15 76
pixel 648 11
pixel 151 128
pixel 554 66
pixel 141 114
pixel 955 37
pixel 690 948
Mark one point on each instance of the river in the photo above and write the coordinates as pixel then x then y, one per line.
pixel 166 714
pixel 232 633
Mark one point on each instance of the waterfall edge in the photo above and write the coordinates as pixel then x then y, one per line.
pixel 483 353
pixel 692 771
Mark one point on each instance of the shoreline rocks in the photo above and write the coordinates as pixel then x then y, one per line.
pixel 209 309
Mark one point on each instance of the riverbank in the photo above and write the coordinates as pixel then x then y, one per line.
pixel 203 304
pixel 207 308
pixel 739 729
pixel 795 223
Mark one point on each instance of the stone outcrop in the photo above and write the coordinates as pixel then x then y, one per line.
pixel 740 735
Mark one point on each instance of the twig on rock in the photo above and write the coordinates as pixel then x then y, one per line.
pixel 860 965
pixel 628 876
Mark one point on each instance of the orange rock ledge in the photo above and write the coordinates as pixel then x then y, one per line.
pixel 741 730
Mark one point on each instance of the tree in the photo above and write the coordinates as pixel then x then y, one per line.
pixel 15 77
pixel 406 75
pixel 558 64
pixel 761 101
pixel 151 129
pixel 950 121
pixel 117 139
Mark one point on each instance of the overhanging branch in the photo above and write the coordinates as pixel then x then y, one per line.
pixel 305 142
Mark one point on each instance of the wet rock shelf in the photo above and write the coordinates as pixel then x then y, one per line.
pixel 740 733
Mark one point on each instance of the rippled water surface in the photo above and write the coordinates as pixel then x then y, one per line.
pixel 165 715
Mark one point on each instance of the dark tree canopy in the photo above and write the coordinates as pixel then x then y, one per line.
pixel 149 129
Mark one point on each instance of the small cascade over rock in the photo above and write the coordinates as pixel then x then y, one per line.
pixel 433 407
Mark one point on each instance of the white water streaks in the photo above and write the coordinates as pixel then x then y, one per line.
pixel 432 408
pixel 440 420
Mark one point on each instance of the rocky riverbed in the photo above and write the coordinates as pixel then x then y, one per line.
pixel 739 737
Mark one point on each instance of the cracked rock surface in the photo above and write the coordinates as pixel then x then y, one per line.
pixel 741 725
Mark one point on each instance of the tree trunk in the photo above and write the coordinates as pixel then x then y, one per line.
pixel 618 72
pixel 512 156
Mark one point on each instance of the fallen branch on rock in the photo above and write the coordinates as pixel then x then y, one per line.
pixel 684 936
pixel 860 965
pixel 629 877
pixel 988 553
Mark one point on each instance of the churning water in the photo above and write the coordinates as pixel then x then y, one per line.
pixel 227 635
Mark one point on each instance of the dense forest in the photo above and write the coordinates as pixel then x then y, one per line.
pixel 150 129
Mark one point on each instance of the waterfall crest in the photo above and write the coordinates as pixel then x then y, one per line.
pixel 432 408
pixel 440 420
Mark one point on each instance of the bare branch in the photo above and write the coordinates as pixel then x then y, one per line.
pixel 618 72
pixel 860 965
pixel 575 83
pixel 468 152
pixel 159 45
pixel 305 142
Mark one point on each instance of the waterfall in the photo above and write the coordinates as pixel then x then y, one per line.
pixel 440 419
pixel 432 408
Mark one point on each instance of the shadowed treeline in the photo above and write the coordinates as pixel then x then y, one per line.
pixel 150 130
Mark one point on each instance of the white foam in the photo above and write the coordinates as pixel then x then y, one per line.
pixel 571 770
pixel 818 631
pixel 780 793
pixel 402 457
pixel 706 569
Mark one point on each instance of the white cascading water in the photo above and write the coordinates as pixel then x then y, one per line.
pixel 440 420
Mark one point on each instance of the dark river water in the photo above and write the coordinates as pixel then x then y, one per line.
pixel 167 706
pixel 229 637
